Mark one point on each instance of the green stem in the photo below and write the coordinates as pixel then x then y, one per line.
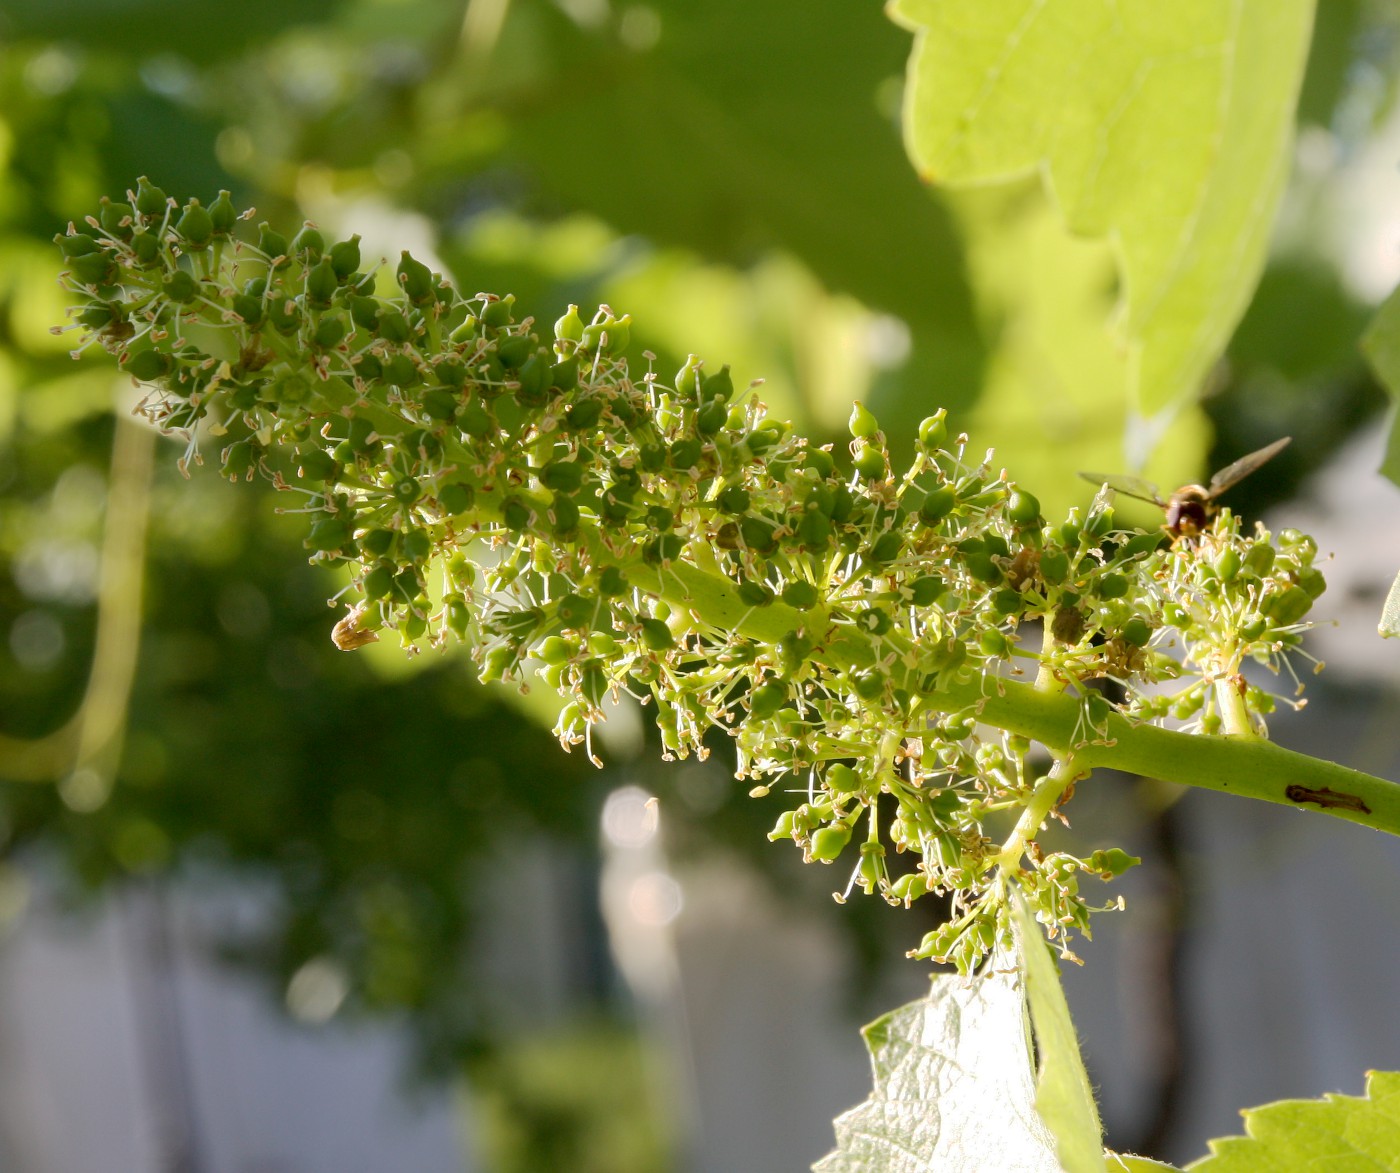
pixel 1246 766
pixel 1046 796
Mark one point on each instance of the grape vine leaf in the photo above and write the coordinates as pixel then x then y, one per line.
pixel 1127 1163
pixel 1381 344
pixel 1063 1097
pixel 947 1064
pixel 954 1087
pixel 1165 129
pixel 1345 1134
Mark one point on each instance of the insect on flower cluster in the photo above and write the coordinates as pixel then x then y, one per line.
pixel 477 478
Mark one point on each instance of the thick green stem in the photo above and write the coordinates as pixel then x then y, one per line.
pixel 1246 766
pixel 1048 793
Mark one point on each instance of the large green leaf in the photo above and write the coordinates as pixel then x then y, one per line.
pixel 1382 346
pixel 1063 1096
pixel 1337 1134
pixel 954 1091
pixel 1164 129
pixel 748 127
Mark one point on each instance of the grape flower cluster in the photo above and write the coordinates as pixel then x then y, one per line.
pixel 482 479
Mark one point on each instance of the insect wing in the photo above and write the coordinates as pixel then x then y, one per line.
pixel 1128 486
pixel 1232 474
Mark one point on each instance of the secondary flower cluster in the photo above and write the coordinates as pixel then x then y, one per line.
pixel 525 491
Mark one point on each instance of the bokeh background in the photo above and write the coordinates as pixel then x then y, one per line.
pixel 269 906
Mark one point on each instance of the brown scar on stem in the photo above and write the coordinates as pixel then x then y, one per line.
pixel 1327 798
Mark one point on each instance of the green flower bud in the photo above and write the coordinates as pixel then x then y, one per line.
pixel 284 314
pixel 1227 566
pixel 663 549
pixel 862 423
pixel 318 465
pixel 345 257
pixel 517 515
pixel 1287 607
pixel 885 549
pixel 393 326
pixel 843 780
pixel 1112 862
pixel 688 377
pixel 1136 632
pixel 1112 586
pixel 321 284
pixel 329 534
pixel 533 376
pixel 583 414
pixel 801 595
pixel 564 514
pixel 933 431
pixel 271 242
pixel 563 375
pixel 440 403
pixel 250 309
pixel 784 827
pixel 984 569
pixel 150 201
pixel 1054 566
pixel 937 504
pixel 147 366
pixel 497 314
pixel 145 248
pixel 814 531
pixel 195 226
pixel 994 643
pixel 617 334
pixel 97 268
pixel 1023 509
pixel 685 454
pixel 330 331
pixel 870 462
pixel 416 545
pixel 455 498
pixel 1260 559
pixel 181 287
pixel 1007 601
pixel 458 614
pixel 829 842
pixel 117 219
pixel 76 244
pixel 415 278
pixel 767 699
pixel 475 420
pixel 223 215
pixel 1312 581
pixel 657 635
pixel 717 388
pixel 612 582
pixel 711 418
pixel 568 328
pixel 308 244
pixel 515 350
pixel 364 312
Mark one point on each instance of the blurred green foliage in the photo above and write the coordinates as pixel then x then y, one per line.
pixel 731 174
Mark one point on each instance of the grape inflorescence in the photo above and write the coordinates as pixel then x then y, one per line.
pixel 526 491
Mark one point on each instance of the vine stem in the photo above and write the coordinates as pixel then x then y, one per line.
pixel 1047 794
pixel 1250 767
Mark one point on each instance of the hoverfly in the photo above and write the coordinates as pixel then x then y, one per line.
pixel 1191 508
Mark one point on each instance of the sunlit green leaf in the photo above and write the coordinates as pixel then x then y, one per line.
pixel 1342 1133
pixel 1382 346
pixel 946 1067
pixel 1063 1096
pixel 1163 128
